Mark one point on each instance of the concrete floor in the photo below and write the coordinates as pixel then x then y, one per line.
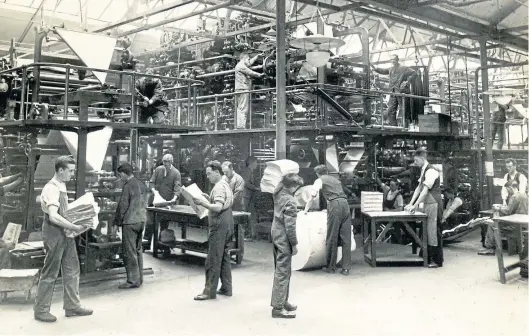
pixel 462 298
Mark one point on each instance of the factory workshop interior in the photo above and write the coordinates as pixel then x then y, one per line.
pixel 264 167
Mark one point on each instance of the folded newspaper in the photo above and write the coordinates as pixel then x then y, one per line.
pixel 193 191
pixel 158 200
pixel 83 211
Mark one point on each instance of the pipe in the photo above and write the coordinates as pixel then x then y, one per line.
pixel 177 18
pixel 37 55
pixel 457 4
pixel 281 95
pixel 163 67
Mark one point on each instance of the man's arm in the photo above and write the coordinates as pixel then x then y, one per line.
pixel 504 192
pixel 215 204
pixel 239 187
pixel 290 214
pixel 55 218
pixel 316 187
pixel 177 187
pixel 399 203
pixel 380 70
pixel 254 59
pixel 416 194
pixel 249 72
pixel 523 183
pixel 152 182
pixel 158 92
pixel 511 208
pixel 453 207
pixel 123 204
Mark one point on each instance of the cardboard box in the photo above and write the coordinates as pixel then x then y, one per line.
pixel 435 123
pixel 371 201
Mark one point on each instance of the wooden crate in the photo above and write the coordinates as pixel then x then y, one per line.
pixel 435 123
pixel 371 201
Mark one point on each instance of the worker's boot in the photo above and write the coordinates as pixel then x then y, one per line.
pixel 290 307
pixel 79 312
pixel 45 317
pixel 282 313
pixel 433 257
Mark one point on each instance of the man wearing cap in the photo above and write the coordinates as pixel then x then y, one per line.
pixel 167 182
pixel 153 104
pixel 399 81
pixel 429 193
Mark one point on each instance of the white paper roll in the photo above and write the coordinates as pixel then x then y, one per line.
pixel 311 231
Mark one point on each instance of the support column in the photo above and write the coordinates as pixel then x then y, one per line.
pixel 82 144
pixel 281 106
pixel 489 165
pixel 320 29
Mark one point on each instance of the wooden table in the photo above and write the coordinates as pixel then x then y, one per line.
pixel 371 221
pixel 519 221
pixel 186 217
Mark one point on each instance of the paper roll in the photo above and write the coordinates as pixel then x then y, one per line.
pixel 311 231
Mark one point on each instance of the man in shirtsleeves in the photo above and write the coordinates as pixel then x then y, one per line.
pixel 236 183
pixel 243 82
pixel 61 251
pixel 339 220
pixel 429 192
pixel 220 234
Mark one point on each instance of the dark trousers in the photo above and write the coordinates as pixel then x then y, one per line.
pixel 61 255
pixel 249 200
pixel 339 224
pixel 393 106
pixel 131 245
pixel 218 262
pixel 144 114
pixel 498 129
pixel 283 268
pixel 149 227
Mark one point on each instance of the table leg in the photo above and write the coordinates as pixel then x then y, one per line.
pixel 425 243
pixel 499 251
pixel 414 242
pixel 156 234
pixel 373 243
pixel 483 234
pixel 184 233
pixel 365 235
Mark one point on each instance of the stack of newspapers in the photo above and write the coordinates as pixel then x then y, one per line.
pixel 83 211
pixel 274 172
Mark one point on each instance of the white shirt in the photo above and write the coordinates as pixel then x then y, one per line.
pixel 316 187
pixel 430 177
pixel 522 187
pixel 51 194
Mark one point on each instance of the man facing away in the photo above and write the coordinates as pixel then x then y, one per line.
pixel 513 175
pixel 220 234
pixel 429 193
pixel 285 244
pixel 339 220
pixel 399 80
pixel 154 106
pixel 243 82
pixel 251 191
pixel 167 181
pixel 517 205
pixel 131 215
pixel 61 251
pixel 236 184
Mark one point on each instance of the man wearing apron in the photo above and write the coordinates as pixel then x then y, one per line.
pixel 285 244
pixel 429 192
pixel 218 262
pixel 339 220
pixel 61 252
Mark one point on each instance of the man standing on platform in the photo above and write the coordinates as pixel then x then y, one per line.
pixel 153 104
pixel 243 82
pixel 513 175
pixel 399 81
pixel 166 181
pixel 61 251
pixel 285 244
pixel 251 191
pixel 339 220
pixel 131 215
pixel 429 192
pixel 517 205
pixel 220 235
pixel 236 183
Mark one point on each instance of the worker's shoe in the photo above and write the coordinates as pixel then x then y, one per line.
pixel 290 307
pixel 487 252
pixel 45 317
pixel 128 285
pixel 433 265
pixel 328 270
pixel 203 297
pixel 79 312
pixel 282 313
pixel 224 292
pixel 345 272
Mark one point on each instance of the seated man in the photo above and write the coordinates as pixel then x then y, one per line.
pixel 393 200
pixel 454 202
pixel 517 205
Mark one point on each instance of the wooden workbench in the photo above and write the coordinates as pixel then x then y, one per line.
pixel 519 222
pixel 372 220
pixel 186 217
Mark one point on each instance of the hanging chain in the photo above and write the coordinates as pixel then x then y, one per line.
pixel 416 52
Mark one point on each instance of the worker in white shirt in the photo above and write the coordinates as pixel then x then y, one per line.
pixel 513 174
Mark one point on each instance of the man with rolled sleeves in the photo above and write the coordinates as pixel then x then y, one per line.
pixel 61 251
pixel 429 193
pixel 131 215
pixel 220 234
pixel 339 222
pixel 236 183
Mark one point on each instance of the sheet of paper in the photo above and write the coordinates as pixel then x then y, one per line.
pixel 193 191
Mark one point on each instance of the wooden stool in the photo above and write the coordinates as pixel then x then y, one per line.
pixel 14 280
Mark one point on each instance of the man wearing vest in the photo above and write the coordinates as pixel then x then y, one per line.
pixel 393 200
pixel 429 193
pixel 339 220
pixel 514 175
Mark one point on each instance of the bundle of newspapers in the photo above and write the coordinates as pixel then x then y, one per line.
pixel 274 172
pixel 83 211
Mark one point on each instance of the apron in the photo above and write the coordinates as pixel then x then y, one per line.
pixel 389 204
pixel 433 208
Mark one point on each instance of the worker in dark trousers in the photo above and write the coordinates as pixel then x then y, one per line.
pixel 131 215
pixel 339 220
pixel 285 244
pixel 251 191
pixel 153 103
pixel 220 235
pixel 429 192
pixel 61 251
pixel 7 184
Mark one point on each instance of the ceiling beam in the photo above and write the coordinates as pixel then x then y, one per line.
pixel 504 11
